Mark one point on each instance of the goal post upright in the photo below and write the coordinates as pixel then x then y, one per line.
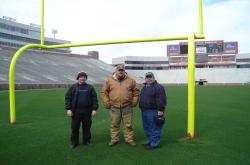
pixel 191 63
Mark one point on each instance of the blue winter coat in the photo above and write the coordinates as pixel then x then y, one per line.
pixel 153 97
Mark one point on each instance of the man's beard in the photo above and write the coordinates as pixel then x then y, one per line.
pixel 120 77
pixel 150 82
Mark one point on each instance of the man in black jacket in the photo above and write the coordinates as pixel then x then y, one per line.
pixel 81 104
pixel 152 104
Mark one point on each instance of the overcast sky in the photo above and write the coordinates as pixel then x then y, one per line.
pixel 102 20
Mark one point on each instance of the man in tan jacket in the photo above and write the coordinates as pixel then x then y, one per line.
pixel 119 95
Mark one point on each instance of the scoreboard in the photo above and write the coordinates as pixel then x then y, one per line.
pixel 207 53
pixel 204 47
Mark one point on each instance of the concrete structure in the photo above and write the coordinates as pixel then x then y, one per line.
pixel 14 34
pixel 214 76
pixel 142 63
pixel 217 62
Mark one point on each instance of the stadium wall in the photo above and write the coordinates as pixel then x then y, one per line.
pixel 213 76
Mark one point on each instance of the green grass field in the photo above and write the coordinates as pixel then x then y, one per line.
pixel 41 135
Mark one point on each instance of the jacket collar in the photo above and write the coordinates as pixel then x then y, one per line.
pixel 114 76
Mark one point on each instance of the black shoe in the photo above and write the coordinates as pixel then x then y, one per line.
pixel 73 146
pixel 88 144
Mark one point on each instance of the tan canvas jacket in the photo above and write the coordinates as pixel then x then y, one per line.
pixel 120 94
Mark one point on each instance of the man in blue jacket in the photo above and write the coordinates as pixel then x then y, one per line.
pixel 152 103
pixel 81 104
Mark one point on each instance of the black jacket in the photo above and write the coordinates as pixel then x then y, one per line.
pixel 153 97
pixel 72 96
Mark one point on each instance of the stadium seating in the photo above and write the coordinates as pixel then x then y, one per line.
pixel 39 67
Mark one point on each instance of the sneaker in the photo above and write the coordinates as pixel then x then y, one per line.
pixel 111 144
pixel 132 143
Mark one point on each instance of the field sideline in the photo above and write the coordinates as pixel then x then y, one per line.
pixel 41 135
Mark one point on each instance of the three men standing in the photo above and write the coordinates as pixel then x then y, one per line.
pixel 120 94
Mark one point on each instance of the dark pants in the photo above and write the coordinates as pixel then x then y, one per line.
pixel 153 131
pixel 77 119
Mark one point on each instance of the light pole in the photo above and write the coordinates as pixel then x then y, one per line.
pixel 54 32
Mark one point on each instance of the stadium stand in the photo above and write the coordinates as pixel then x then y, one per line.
pixel 15 34
pixel 216 61
pixel 42 67
pixel 211 75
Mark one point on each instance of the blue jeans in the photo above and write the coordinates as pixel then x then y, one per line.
pixel 153 132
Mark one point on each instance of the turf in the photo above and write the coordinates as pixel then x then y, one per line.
pixel 41 135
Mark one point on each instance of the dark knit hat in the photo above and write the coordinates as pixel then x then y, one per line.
pixel 82 74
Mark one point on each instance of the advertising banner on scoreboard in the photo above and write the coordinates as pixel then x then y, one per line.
pixel 200 49
pixel 173 50
pixel 231 47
